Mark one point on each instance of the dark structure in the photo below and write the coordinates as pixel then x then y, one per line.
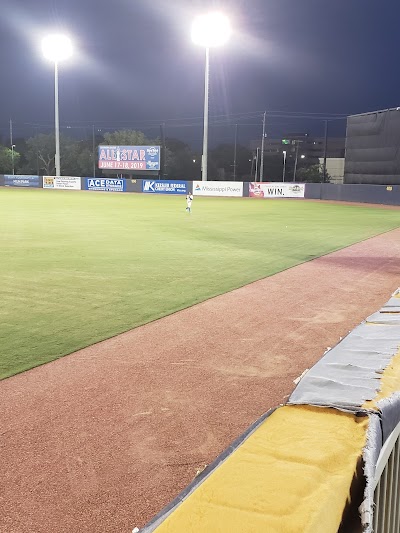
pixel 308 145
pixel 373 148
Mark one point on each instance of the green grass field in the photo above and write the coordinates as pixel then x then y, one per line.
pixel 79 267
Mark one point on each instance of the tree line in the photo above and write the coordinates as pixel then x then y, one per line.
pixel 35 156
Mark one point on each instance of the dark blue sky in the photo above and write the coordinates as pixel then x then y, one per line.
pixel 135 64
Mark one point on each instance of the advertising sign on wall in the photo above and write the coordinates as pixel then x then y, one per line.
pixel 21 181
pixel 48 182
pixel 129 157
pixel 218 188
pixel 165 187
pixel 105 184
pixel 276 190
pixel 61 182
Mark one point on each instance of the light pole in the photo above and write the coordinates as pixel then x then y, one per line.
pixel 12 147
pixel 210 30
pixel 284 166
pixel 235 153
pixel 56 48
pixel 262 149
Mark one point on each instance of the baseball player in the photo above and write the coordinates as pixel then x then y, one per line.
pixel 189 199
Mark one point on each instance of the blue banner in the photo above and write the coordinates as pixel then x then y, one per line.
pixel 105 184
pixel 21 181
pixel 165 187
pixel 129 157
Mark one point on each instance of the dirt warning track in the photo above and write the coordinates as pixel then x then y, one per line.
pixel 99 441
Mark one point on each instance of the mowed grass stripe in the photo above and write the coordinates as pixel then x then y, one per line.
pixel 79 267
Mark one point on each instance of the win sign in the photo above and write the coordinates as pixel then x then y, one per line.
pixel 105 184
pixel 165 187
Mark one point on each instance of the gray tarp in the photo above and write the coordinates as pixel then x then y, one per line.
pixel 350 373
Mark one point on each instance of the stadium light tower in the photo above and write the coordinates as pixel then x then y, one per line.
pixel 57 48
pixel 209 30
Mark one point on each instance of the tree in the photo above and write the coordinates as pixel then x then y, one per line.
pixel 180 161
pixel 176 145
pixel 76 157
pixel 126 138
pixel 6 160
pixel 40 154
pixel 85 161
pixel 222 158
pixel 312 174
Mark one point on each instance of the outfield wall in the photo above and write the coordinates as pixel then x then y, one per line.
pixel 374 194
pixel 310 465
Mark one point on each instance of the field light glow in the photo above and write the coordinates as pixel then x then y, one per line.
pixel 210 30
pixel 57 47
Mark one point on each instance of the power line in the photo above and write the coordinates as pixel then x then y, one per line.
pixel 198 119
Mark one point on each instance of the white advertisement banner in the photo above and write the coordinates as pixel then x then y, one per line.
pixel 61 182
pixel 276 190
pixel 218 188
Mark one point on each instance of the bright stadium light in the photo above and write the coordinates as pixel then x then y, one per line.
pixel 57 48
pixel 209 30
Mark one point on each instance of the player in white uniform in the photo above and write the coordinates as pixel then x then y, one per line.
pixel 189 199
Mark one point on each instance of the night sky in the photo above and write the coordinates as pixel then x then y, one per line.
pixel 135 65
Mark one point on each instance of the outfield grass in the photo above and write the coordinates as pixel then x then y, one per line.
pixel 78 267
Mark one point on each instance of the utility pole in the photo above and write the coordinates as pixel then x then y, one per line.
pixel 235 153
pixel 252 166
pixel 284 166
pixel 12 147
pixel 262 149
pixel 325 151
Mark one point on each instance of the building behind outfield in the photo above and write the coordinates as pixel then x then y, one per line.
pixel 373 148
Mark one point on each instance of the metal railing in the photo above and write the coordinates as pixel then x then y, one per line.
pixel 387 486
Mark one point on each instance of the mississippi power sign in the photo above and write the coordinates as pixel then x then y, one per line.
pixel 218 188
pixel 129 157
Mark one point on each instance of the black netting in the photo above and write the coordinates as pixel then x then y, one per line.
pixel 373 148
